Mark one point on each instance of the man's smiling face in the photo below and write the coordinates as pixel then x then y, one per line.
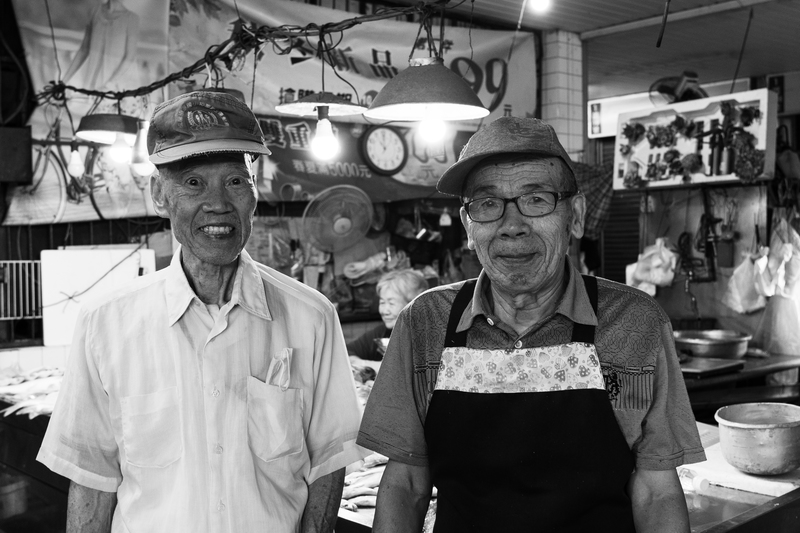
pixel 210 202
pixel 522 254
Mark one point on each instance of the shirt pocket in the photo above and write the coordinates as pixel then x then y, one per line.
pixel 274 420
pixel 151 428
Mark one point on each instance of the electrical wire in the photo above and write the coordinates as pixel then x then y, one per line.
pixel 242 40
pixel 741 50
pixel 87 289
pixel 663 24
pixel 53 37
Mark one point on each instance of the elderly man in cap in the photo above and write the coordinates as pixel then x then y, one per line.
pixel 532 398
pixel 214 395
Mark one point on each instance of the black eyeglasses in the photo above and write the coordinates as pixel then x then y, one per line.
pixel 532 204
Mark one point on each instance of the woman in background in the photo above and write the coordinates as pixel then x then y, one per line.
pixel 395 289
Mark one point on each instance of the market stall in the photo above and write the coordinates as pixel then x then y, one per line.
pixel 714 178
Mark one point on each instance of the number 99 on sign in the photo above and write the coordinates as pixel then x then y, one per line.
pixel 495 74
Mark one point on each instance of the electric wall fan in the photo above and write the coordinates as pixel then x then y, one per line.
pixel 679 88
pixel 336 218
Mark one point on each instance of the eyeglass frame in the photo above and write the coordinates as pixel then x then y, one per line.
pixel 558 195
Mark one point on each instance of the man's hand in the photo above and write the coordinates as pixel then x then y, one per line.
pixel 403 498
pixel 89 510
pixel 658 502
pixel 324 496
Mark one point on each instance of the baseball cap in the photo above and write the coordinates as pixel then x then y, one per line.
pixel 506 135
pixel 203 122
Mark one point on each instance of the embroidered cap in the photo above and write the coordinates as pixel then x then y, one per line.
pixel 203 122
pixel 506 135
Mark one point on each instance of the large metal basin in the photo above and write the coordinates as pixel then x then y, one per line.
pixel 760 438
pixel 719 343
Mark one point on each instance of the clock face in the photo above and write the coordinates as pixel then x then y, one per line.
pixel 384 149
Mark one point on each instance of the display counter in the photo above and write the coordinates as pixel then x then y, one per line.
pixel 33 499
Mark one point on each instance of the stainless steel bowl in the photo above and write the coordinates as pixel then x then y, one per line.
pixel 760 438
pixel 720 343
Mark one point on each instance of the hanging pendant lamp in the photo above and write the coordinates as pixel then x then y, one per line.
pixel 325 102
pixel 102 128
pixel 426 89
pixel 307 106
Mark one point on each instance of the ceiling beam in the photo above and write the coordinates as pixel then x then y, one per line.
pixel 678 15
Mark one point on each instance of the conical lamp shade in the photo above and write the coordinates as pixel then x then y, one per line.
pixel 102 128
pixel 426 89
pixel 307 106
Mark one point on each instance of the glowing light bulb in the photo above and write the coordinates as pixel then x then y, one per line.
pixel 140 159
pixel 539 6
pixel 324 146
pixel 75 167
pixel 120 151
pixel 432 130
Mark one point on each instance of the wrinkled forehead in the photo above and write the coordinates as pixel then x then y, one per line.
pixel 245 161
pixel 522 170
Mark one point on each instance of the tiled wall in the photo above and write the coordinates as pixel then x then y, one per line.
pixel 562 89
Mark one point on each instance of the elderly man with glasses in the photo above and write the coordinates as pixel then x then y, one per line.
pixel 532 398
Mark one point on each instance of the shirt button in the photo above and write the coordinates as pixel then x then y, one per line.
pixel 490 321
pixel 215 392
pixel 518 345
pixel 218 449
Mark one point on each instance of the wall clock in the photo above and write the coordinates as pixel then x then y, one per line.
pixel 384 150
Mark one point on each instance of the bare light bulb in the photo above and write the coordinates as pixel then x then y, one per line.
pixel 539 6
pixel 432 130
pixel 140 159
pixel 324 145
pixel 75 167
pixel 120 151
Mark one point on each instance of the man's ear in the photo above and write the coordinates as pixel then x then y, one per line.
pixel 578 206
pixel 158 194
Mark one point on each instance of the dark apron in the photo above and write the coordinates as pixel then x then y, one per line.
pixel 527 461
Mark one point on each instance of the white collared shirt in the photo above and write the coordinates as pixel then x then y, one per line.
pixel 202 424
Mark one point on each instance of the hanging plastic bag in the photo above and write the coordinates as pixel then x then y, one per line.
pixel 741 294
pixel 792 267
pixel 631 280
pixel 779 330
pixel 656 265
pixel 770 268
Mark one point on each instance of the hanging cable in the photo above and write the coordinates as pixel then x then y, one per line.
pixel 663 24
pixel 741 50
pixel 242 40
pixel 53 37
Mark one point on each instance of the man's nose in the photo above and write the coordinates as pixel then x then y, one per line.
pixel 513 223
pixel 217 199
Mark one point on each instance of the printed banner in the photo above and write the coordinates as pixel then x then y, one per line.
pixel 124 44
pixel 106 45
pixel 500 67
pixel 367 56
